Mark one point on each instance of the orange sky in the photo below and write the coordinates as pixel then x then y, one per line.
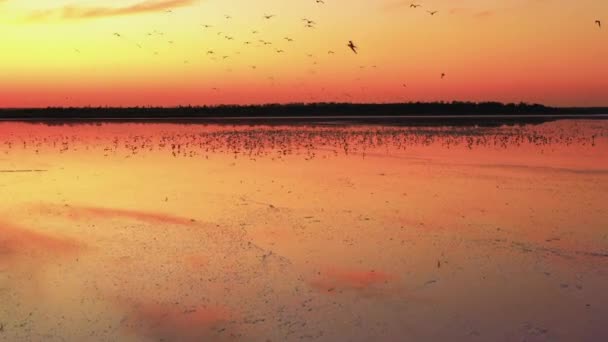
pixel 64 52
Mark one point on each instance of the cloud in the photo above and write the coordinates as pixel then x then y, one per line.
pixel 484 14
pixel 82 12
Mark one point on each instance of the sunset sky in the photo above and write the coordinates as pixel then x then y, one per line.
pixel 66 53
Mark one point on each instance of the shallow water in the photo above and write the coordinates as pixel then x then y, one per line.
pixel 138 232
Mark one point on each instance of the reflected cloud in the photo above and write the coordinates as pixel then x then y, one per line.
pixel 177 323
pixel 17 241
pixel 336 280
pixel 85 212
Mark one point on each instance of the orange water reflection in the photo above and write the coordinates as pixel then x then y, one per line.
pixel 303 232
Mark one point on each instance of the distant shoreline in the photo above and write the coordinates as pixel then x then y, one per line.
pixel 454 113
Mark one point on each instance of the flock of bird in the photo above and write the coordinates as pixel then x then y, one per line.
pixel 307 23
pixel 214 55
pixel 312 142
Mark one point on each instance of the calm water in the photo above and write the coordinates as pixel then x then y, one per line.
pixel 138 232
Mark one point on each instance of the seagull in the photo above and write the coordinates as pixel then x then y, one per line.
pixel 288 39
pixel 117 34
pixel 330 52
pixel 268 16
pixel 414 5
pixel 599 23
pixel 352 46
pixel 432 12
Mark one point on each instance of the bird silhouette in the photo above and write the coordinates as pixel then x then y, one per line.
pixel 442 75
pixel 599 23
pixel 432 12
pixel 414 5
pixel 352 46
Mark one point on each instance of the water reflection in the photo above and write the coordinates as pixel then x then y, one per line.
pixel 255 233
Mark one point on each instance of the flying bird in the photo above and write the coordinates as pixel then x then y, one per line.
pixel 442 75
pixel 352 46
pixel 432 12
pixel 599 23
pixel 269 16
pixel 414 5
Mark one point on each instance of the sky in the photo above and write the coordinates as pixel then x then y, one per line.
pixel 157 52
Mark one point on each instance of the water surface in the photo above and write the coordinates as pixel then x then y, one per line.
pixel 138 232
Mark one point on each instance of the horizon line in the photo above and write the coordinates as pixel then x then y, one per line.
pixel 305 104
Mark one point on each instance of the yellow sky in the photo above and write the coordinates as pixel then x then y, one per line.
pixel 64 52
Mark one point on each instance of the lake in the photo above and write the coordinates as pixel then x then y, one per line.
pixel 220 232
